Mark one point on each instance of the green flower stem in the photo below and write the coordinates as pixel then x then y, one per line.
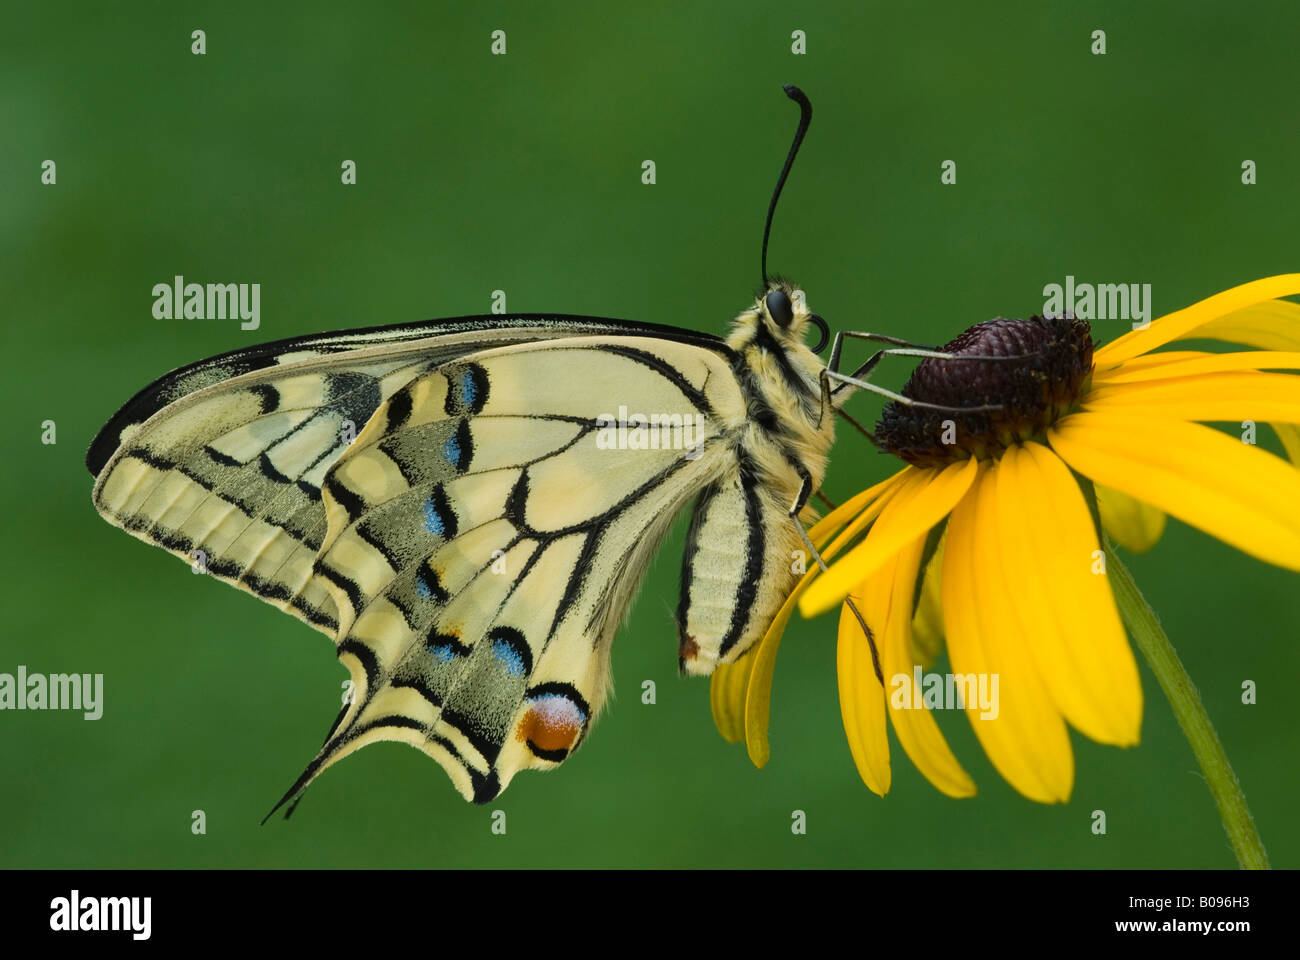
pixel 1151 639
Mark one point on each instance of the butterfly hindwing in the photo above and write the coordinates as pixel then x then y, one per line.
pixel 484 544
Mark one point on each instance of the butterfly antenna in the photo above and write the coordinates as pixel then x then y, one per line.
pixel 805 118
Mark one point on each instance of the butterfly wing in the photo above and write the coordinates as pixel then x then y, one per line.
pixel 474 549
pixel 435 340
pixel 220 462
pixel 484 545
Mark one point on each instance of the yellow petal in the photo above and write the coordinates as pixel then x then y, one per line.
pixel 1268 326
pixel 1271 325
pixel 927 621
pixel 1289 434
pixel 1235 396
pixel 727 689
pixel 1134 525
pixel 1181 323
pixel 922 499
pixel 1186 363
pixel 862 704
pixel 1234 491
pixel 758 694
pixel 919 735
pixel 1055 571
pixel 1147 360
pixel 1026 740
pixel 845 512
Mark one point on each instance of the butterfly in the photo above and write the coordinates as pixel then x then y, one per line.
pixel 456 504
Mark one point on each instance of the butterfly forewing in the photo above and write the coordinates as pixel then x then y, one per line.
pixel 230 477
pixel 221 461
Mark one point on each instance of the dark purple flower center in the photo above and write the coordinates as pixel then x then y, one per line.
pixel 1052 365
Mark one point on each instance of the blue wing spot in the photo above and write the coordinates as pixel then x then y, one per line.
pixel 511 650
pixel 509 657
pixel 439 517
pixel 459 447
pixel 432 519
pixel 468 388
pixel 444 652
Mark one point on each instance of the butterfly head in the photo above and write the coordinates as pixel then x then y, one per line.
pixel 780 317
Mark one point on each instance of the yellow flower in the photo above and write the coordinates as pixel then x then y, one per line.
pixel 1016 587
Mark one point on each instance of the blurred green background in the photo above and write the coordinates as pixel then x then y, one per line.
pixel 523 173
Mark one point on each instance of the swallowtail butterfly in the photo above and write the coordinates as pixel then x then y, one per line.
pixel 474 547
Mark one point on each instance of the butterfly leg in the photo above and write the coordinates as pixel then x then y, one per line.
pixel 853 381
pixel 871 640
pixel 858 379
pixel 833 366
pixel 901 348
pixel 828 394
pixel 805 491
pixel 908 348
pixel 838 344
pixel 796 508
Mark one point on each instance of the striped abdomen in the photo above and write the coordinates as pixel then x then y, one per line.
pixel 736 572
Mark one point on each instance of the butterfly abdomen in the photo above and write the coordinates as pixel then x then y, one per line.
pixel 736 571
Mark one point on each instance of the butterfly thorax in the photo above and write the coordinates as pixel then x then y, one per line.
pixel 781 378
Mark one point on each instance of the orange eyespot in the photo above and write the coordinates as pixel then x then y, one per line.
pixel 552 725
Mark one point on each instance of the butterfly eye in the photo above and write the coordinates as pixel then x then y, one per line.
pixel 780 308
